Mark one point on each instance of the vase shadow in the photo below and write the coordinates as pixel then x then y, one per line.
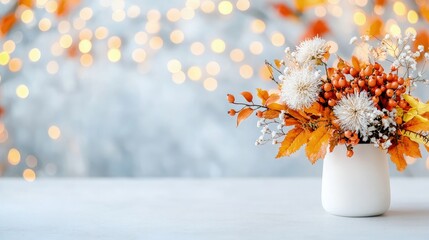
pixel 405 213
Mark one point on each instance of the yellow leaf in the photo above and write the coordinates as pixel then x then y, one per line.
pixel 302 5
pixel 340 65
pixel 416 104
pixel 317 144
pixel 416 137
pixel 243 114
pixel 277 62
pixel 355 63
pixel 288 140
pixel 397 156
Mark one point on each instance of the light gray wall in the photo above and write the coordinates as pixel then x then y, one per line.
pixel 129 119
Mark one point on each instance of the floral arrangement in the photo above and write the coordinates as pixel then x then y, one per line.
pixel 366 100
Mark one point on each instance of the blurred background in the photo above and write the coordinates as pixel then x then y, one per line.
pixel 117 88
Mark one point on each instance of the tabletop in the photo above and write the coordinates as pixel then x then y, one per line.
pixel 176 209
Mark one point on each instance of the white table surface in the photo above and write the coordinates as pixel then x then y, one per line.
pixel 175 209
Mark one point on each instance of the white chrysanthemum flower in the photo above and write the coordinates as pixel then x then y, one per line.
pixel 353 110
pixel 312 49
pixel 301 88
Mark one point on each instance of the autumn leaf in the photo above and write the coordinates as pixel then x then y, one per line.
pixel 416 104
pixel 284 10
pixel 315 109
pixel 302 5
pixel 424 11
pixel 355 63
pixel 417 125
pixel 277 62
pixel 317 144
pixel 380 3
pixel 6 24
pixel 288 140
pixel 298 142
pixel 263 95
pixel 243 114
pixel 317 28
pixel 416 137
pixel 331 72
pixel 277 106
pixel 333 142
pixel 374 27
pixel 411 148
pixel 291 121
pixel 248 96
pixel 27 3
pixel 65 6
pixel 397 156
pixel 296 115
pixel 270 114
pixel 273 98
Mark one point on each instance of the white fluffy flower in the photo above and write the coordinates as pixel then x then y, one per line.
pixel 353 112
pixel 301 88
pixel 311 49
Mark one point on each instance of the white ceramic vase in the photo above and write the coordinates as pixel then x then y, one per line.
pixel 358 186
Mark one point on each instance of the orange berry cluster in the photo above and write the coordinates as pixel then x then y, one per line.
pixel 385 88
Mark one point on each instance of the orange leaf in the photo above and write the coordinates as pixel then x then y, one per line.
pixel 271 114
pixel 316 28
pixel 317 144
pixel 302 5
pixel 263 95
pixel 397 156
pixel 298 142
pixel 380 3
pixel 6 24
pixel 273 98
pixel 355 63
pixel 277 62
pixel 288 140
pixel 291 121
pixel 411 148
pixel 424 11
pixel 315 109
pixel 296 115
pixel 248 96
pixel 416 125
pixel 243 114
pixel 374 27
pixel 333 142
pixel 284 10
pixel 340 65
pixel 277 106
pixel 65 6
pixel 27 3
pixel 331 71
